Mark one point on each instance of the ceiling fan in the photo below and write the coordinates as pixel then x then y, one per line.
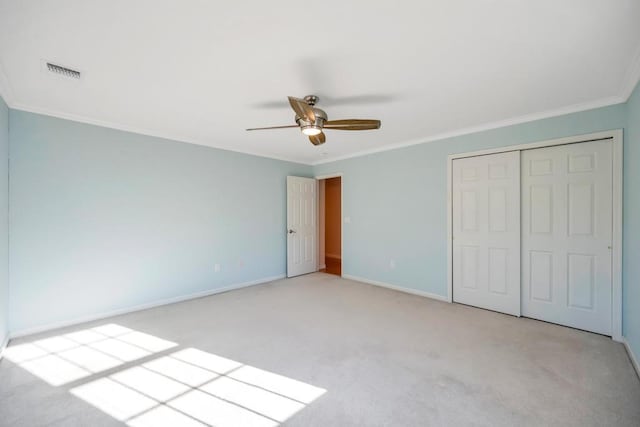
pixel 312 120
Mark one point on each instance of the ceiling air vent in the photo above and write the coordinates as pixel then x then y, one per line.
pixel 63 71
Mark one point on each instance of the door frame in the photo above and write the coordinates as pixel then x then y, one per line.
pixel 318 178
pixel 616 136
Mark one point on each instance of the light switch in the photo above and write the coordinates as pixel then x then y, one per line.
pixel 347 220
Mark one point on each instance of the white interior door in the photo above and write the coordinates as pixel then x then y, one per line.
pixel 566 235
pixel 302 223
pixel 486 231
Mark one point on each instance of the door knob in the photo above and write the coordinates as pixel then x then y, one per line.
pixel 291 231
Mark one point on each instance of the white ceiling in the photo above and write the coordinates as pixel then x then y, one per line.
pixel 202 71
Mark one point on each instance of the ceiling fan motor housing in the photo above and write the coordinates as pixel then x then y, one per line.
pixel 321 117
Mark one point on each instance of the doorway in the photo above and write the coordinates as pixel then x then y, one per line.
pixel 330 225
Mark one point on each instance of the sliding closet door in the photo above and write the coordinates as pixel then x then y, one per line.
pixel 486 231
pixel 566 235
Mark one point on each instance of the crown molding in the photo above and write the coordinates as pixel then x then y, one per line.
pixel 575 108
pixel 140 131
pixel 631 77
pixel 464 131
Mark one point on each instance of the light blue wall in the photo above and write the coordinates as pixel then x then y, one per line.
pixel 104 220
pixel 4 221
pixel 397 199
pixel 631 248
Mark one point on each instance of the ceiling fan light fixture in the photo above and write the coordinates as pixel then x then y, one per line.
pixel 312 120
pixel 311 130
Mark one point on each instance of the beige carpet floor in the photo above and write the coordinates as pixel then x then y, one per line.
pixel 317 350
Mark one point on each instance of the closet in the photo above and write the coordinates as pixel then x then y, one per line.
pixel 532 233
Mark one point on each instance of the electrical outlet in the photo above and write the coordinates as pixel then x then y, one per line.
pixel 216 268
pixel 392 264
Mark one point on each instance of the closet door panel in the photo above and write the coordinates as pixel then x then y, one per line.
pixel 566 235
pixel 486 232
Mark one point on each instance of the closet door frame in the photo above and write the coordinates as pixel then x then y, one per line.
pixel 616 136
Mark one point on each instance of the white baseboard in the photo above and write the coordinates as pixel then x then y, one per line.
pixel 397 288
pixel 3 346
pixel 64 323
pixel 632 356
pixel 332 256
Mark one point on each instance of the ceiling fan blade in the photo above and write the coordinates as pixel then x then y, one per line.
pixel 352 124
pixel 353 127
pixel 302 109
pixel 318 139
pixel 275 127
